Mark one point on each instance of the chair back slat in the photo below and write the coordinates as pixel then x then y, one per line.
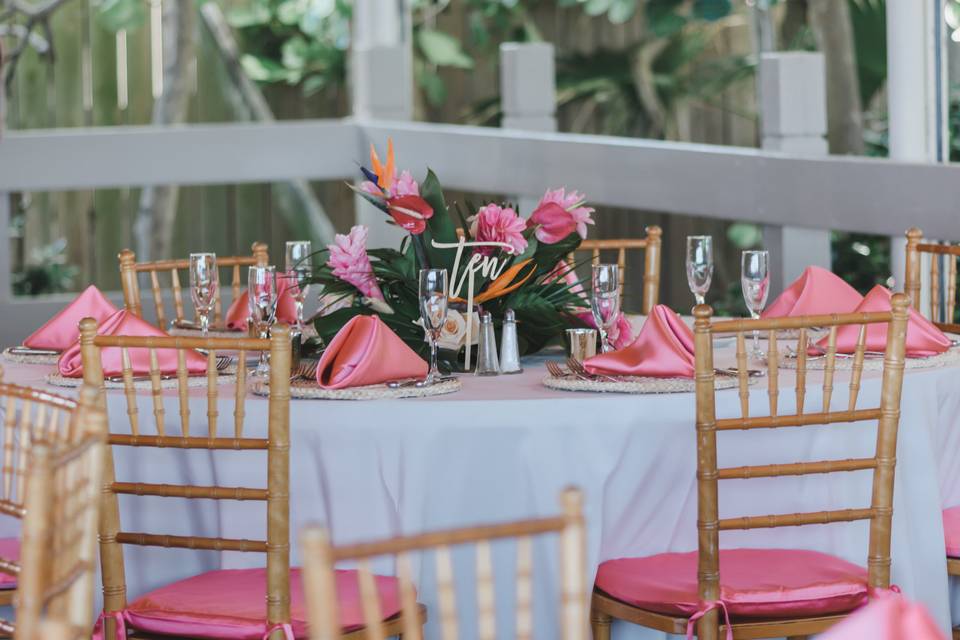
pixel 240 395
pixel 446 594
pixel 773 372
pixel 170 270
pixel 320 558
pixel 942 286
pixel 412 628
pixel 370 602
pixel 881 464
pixel 213 411
pixel 524 588
pixel 486 599
pixel 829 368
pixel 651 271
pixel 277 444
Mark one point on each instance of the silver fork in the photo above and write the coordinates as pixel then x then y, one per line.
pixel 307 370
pixel 555 369
pixel 581 372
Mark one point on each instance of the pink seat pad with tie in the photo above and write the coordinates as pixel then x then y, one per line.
pixel 951 531
pixel 231 604
pixel 758 583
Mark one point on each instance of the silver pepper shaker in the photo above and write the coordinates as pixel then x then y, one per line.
pixel 509 347
pixel 487 364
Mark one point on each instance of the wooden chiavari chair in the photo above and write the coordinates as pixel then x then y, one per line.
pixel 276 586
pixel 64 485
pixel 29 416
pixel 651 266
pixel 943 279
pixel 611 598
pixel 321 557
pixel 130 270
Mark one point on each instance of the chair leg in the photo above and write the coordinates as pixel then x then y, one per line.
pixel 956 633
pixel 600 625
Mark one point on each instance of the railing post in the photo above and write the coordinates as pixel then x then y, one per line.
pixel 916 99
pixel 794 120
pixel 381 86
pixel 528 93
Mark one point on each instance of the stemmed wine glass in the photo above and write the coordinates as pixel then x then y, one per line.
pixel 606 301
pixel 433 313
pixel 755 282
pixel 699 265
pixel 204 282
pixel 299 269
pixel 262 298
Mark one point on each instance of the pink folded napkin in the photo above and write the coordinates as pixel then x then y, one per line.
pixel 664 349
pixel 125 323
pixel 60 332
pixel 816 292
pixel 239 310
pixel 365 351
pixel 923 338
pixel 887 617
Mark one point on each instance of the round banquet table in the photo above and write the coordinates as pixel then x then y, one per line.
pixel 504 447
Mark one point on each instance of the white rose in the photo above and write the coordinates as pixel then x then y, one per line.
pixel 453 335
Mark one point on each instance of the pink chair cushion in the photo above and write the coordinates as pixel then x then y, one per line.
pixel 231 604
pixel 951 531
pixel 774 583
pixel 9 550
pixel 888 617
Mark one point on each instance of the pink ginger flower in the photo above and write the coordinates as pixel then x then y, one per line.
pixel 350 262
pixel 621 334
pixel 494 223
pixel 559 214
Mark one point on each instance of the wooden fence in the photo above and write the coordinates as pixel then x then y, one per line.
pixel 100 78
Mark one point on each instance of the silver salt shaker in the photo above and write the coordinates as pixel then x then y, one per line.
pixel 487 364
pixel 509 348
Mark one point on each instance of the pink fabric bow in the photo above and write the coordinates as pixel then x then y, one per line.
pixel 60 332
pixel 664 349
pixel 365 351
pixel 816 292
pixel 287 287
pixel 703 610
pixel 98 628
pixel 285 627
pixel 923 338
pixel 889 616
pixel 125 323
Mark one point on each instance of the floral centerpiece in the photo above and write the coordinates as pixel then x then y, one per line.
pixel 516 263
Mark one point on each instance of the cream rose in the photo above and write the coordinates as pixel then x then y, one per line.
pixel 453 335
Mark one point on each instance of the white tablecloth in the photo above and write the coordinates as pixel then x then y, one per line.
pixel 504 447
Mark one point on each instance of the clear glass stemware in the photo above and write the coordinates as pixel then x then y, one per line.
pixel 262 297
pixel 605 302
pixel 204 282
pixel 755 282
pixel 299 268
pixel 433 312
pixel 699 266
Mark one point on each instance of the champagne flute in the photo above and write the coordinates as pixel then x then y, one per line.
pixel 605 303
pixel 755 282
pixel 262 298
pixel 204 282
pixel 299 269
pixel 433 313
pixel 699 266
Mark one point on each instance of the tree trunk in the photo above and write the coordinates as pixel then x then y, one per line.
pixel 794 21
pixel 832 27
pixel 157 211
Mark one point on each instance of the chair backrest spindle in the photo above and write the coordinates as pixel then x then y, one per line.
pixel 944 281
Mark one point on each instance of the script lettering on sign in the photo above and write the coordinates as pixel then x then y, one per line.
pixel 487 266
